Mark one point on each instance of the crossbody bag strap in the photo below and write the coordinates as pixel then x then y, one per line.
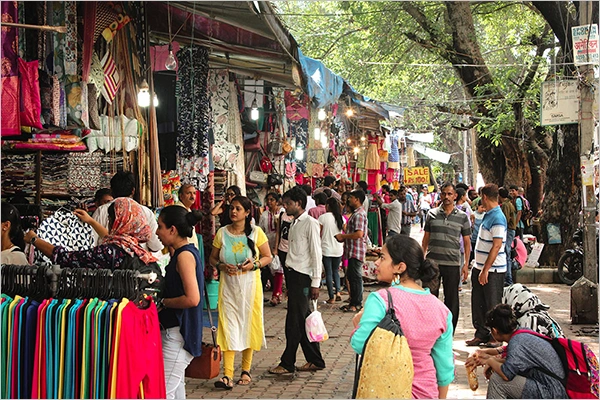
pixel 213 328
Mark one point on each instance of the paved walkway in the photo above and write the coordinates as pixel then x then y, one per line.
pixel 336 380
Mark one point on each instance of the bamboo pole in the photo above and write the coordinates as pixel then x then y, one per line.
pixel 59 29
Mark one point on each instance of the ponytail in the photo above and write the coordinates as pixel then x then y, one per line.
pixel 179 217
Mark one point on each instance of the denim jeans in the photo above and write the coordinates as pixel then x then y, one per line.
pixel 176 360
pixel 483 299
pixel 332 274
pixel 354 273
pixel 510 235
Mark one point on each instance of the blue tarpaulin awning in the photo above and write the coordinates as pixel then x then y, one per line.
pixel 324 87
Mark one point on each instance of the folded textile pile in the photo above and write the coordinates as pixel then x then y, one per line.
pixel 18 175
pixel 54 175
pixel 57 140
pixel 115 132
pixel 84 173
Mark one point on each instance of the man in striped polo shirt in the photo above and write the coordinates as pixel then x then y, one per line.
pixel 441 242
pixel 487 277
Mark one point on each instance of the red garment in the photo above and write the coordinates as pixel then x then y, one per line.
pixel 130 229
pixel 9 91
pixel 140 357
pixel 30 101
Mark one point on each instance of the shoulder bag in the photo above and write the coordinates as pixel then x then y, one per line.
pixel 206 365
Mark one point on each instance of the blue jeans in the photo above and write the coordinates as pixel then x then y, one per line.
pixel 332 275
pixel 356 283
pixel 510 236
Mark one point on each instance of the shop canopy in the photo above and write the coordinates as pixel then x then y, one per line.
pixel 246 37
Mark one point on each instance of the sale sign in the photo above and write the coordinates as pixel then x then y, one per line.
pixel 416 176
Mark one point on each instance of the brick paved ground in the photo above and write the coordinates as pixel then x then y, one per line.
pixel 336 380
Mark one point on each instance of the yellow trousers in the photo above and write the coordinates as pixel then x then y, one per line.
pixel 229 360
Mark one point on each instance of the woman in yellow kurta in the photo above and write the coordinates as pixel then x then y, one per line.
pixel 239 251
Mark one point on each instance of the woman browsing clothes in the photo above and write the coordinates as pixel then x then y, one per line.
pixel 12 237
pixel 425 320
pixel 239 251
pixel 180 310
pixel 129 229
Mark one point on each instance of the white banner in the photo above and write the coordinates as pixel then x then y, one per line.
pixel 585 44
pixel 559 102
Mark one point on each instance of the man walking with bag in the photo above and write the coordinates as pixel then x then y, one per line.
pixel 303 267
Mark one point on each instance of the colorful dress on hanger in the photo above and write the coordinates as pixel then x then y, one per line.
pixel 372 161
pixel 394 154
pixel 240 296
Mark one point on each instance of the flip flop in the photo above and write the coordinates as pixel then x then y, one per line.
pixel 279 370
pixel 309 367
pixel 224 383
pixel 349 308
pixel 243 381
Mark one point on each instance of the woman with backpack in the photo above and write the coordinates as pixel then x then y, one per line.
pixel 180 309
pixel 128 230
pixel 425 320
pixel 525 369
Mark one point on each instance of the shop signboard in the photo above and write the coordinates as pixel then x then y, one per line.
pixel 585 44
pixel 416 176
pixel 559 102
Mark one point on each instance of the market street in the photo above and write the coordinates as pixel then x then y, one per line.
pixel 337 379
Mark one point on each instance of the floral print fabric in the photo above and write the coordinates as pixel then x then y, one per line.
pixel 224 152
pixel 130 229
pixel 103 256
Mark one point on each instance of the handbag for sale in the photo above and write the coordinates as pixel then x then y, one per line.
pixel 206 365
pixel 258 177
pixel 286 148
pixel 275 147
pixel 274 179
pixel 266 165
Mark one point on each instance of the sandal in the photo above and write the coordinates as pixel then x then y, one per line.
pixel 309 367
pixel 243 381
pixel 279 370
pixel 330 301
pixel 349 308
pixel 224 383
pixel 338 298
pixel 275 300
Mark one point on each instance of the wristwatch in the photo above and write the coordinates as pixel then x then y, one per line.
pixel 160 303
pixel 32 241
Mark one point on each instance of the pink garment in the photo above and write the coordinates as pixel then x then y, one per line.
pixel 521 251
pixel 423 319
pixel 317 211
pixel 159 54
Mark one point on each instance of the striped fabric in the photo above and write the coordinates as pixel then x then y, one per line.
pixel 445 232
pixel 111 78
pixel 492 226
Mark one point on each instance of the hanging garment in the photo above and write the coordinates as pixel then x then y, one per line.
pixel 66 230
pixel 372 160
pixel 225 153
pixel 10 124
pixel 394 154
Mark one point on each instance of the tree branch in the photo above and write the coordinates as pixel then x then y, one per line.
pixel 343 35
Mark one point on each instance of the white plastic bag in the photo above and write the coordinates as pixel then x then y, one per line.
pixel 315 327
pixel 275 265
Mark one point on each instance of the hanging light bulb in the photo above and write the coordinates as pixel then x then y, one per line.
pixel 299 153
pixel 254 110
pixel 349 112
pixel 322 114
pixel 155 100
pixel 171 62
pixel 363 138
pixel 349 141
pixel 356 150
pixel 324 141
pixel 317 134
pixel 143 96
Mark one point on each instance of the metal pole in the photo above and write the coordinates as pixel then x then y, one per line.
pixel 59 29
pixel 586 151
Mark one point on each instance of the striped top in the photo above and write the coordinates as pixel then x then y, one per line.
pixel 492 226
pixel 444 235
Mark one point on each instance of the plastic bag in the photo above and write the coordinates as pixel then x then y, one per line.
pixel 275 265
pixel 315 327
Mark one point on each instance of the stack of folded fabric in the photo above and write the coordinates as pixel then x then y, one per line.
pixel 84 173
pixel 56 140
pixel 18 175
pixel 54 175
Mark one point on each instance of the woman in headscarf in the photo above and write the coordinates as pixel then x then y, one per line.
pixel 128 230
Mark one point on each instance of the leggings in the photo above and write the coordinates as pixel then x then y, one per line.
pixel 229 360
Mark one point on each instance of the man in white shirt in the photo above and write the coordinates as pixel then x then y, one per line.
pixel 303 267
pixel 394 217
pixel 310 202
pixel 187 197
pixel 122 184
